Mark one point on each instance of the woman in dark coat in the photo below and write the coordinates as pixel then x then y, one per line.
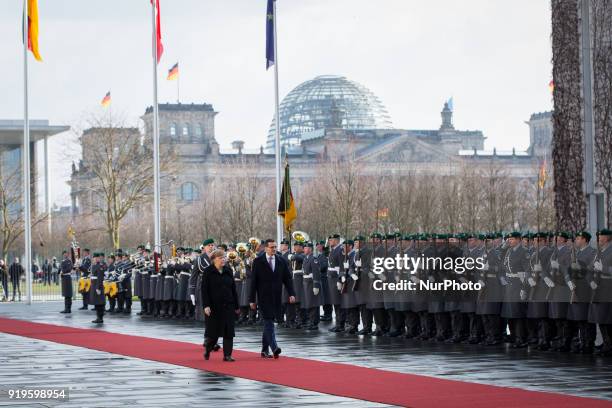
pixel 220 303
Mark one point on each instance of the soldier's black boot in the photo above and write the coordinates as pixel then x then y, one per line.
pixel 67 304
pixel 128 305
pixel 142 307
pixel 99 314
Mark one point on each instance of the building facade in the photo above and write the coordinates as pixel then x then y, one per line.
pixel 327 130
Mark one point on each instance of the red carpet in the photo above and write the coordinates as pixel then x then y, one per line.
pixel 331 378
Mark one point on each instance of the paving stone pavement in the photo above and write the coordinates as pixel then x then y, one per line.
pixel 117 380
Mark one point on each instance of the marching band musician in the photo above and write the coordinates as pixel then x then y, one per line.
pixel 65 274
pixel 84 270
pixel 284 252
pixel 147 271
pixel 124 284
pixel 139 281
pixel 96 290
pixel 235 263
pixel 111 276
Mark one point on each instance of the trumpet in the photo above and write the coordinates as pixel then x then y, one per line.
pixel 242 248
pixel 254 243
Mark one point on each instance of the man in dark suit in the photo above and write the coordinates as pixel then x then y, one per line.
pixel 270 272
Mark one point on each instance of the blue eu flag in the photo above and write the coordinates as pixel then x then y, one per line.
pixel 270 34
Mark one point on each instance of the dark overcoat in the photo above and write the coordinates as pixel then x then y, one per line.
pixel 219 293
pixel 267 285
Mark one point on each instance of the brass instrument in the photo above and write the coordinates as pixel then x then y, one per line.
pixel 254 243
pixel 300 236
pixel 242 248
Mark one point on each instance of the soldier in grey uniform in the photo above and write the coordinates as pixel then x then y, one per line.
pixel 404 298
pixel 348 278
pixel 420 303
pixel 363 284
pixel 488 300
pixel 286 310
pixel 578 309
pixel 437 274
pixel 396 320
pixel 335 260
pixel 182 293
pixel 96 290
pixel 170 283
pixel 376 302
pixel 515 265
pixel 311 298
pixel 475 250
pixel 124 283
pixel 295 315
pixel 322 254
pixel 65 275
pixel 559 292
pixel 538 325
pixel 195 280
pixel 138 284
pixel 600 280
pixel 147 270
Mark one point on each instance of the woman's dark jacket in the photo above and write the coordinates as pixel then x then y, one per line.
pixel 219 293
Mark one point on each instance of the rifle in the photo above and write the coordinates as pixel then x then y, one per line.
pixel 486 256
pixel 556 257
pixel 597 257
pixel 572 266
pixel 357 268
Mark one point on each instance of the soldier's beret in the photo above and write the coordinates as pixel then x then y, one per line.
pixel 335 236
pixel 398 235
pixel 349 242
pixel 224 246
pixel 100 254
pixel 64 252
pixel 514 234
pixel 540 235
pixel 376 235
pixel 584 234
pixel 111 256
pixel 197 251
pixel 605 232
pixel 482 237
pixel 321 243
pixel 470 235
pixel 390 236
pixel 359 238
pixel 308 244
pixel 564 234
pixel 525 235
pixel 408 237
pixel 119 251
pixel 140 246
pixel 208 241
pixel 285 241
pixel 86 249
pixel 298 243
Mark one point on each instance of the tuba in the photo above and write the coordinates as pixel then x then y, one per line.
pixel 300 236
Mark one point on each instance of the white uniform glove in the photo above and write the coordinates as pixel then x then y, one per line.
pixel 414 279
pixel 339 285
pixel 593 285
pixel 290 257
pixel 482 284
pixel 571 285
pixel 315 291
pixel 431 279
pixel 575 266
pixel 343 279
pixel 485 267
pixel 383 277
pixel 531 281
pixel 346 265
pixel 537 267
pixel 371 275
pixel 523 295
pixel 192 299
pixel 358 263
pixel 549 282
pixel 354 276
pixel 503 281
pixel 522 275
pixel 554 264
pixel 463 280
pixel 98 291
pixel 598 266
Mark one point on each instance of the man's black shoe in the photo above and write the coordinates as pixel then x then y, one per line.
pixel 228 358
pixel 216 347
pixel 207 355
pixel 98 321
pixel 83 308
pixel 277 352
pixel 364 332
pixel 265 354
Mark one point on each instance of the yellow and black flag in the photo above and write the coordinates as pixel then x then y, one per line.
pixel 286 206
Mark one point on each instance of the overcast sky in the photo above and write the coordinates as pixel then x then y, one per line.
pixel 492 56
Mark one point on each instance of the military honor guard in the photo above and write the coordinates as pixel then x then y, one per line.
pixel 311 297
pixel 96 290
pixel 65 273
pixel 84 270
pixel 600 281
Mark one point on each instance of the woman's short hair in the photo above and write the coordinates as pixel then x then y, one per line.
pixel 217 253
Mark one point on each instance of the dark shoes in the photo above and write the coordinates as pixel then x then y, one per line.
pixel 207 355
pixel 65 311
pixel 364 332
pixel 313 327
pixel 216 347
pixel 277 352
pixel 265 354
pixel 97 321
pixel 228 358
pixel 83 308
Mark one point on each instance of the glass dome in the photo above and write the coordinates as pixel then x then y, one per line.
pixel 327 101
